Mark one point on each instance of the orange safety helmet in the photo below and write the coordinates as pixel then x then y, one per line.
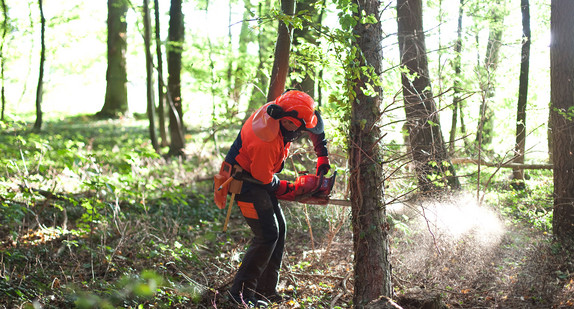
pixel 298 107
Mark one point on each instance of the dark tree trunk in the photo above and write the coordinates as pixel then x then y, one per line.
pixel 282 50
pixel 2 58
pixel 520 148
pixel 370 242
pixel 149 76
pixel 433 169
pixel 562 98
pixel 40 88
pixel 116 101
pixel 457 80
pixel 160 81
pixel 175 48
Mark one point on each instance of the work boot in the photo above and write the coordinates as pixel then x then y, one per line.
pixel 273 297
pixel 247 301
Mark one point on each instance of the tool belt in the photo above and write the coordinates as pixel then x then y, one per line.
pixel 224 183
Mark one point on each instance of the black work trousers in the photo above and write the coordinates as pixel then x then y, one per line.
pixel 258 273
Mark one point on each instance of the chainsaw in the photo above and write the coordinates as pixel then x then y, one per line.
pixel 314 189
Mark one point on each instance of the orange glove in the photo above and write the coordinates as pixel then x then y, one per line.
pixel 323 165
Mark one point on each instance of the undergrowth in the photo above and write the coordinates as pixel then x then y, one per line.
pixel 91 216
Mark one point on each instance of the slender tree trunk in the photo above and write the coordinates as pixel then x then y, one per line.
pixel 175 48
pixel 303 35
pixel 258 96
pixel 282 50
pixel 149 76
pixel 432 165
pixel 160 80
pixel 562 98
pixel 486 120
pixel 39 89
pixel 456 101
pixel 239 73
pixel 116 100
pixel 2 57
pixel 520 148
pixel 370 242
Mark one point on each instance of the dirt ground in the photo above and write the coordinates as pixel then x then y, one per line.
pixel 464 254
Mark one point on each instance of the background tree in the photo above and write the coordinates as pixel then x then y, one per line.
pixel 116 100
pixel 160 81
pixel 520 148
pixel 282 50
pixel 304 73
pixel 484 133
pixel 432 164
pixel 40 87
pixel 149 76
pixel 175 49
pixel 261 81
pixel 456 95
pixel 2 57
pixel 562 117
pixel 370 243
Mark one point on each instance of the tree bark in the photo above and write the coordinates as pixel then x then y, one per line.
pixel 562 98
pixel 116 100
pixel 303 35
pixel 40 88
pixel 520 147
pixel 282 50
pixel 370 236
pixel 160 81
pixel 432 166
pixel 491 59
pixel 175 48
pixel 2 58
pixel 457 64
pixel 149 76
pixel 258 95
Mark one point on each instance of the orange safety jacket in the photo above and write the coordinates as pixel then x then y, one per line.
pixel 263 158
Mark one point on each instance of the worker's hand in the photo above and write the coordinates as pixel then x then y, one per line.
pixel 286 191
pixel 323 165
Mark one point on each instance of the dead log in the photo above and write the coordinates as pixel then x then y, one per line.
pixel 505 165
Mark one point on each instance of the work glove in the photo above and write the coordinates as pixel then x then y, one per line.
pixel 323 165
pixel 286 191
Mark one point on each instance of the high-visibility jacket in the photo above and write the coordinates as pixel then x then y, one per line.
pixel 264 158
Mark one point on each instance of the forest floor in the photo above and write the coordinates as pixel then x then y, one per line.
pixel 68 241
pixel 466 255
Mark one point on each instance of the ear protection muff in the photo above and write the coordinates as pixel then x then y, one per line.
pixel 276 112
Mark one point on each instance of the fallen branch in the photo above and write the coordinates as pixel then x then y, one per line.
pixel 506 165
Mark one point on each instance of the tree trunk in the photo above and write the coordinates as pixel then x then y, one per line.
pixel 520 147
pixel 116 101
pixel 175 48
pixel 370 243
pixel 433 169
pixel 258 97
pixel 303 35
pixel 456 101
pixel 282 50
pixel 491 59
pixel 40 88
pixel 562 98
pixel 149 76
pixel 2 58
pixel 160 81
